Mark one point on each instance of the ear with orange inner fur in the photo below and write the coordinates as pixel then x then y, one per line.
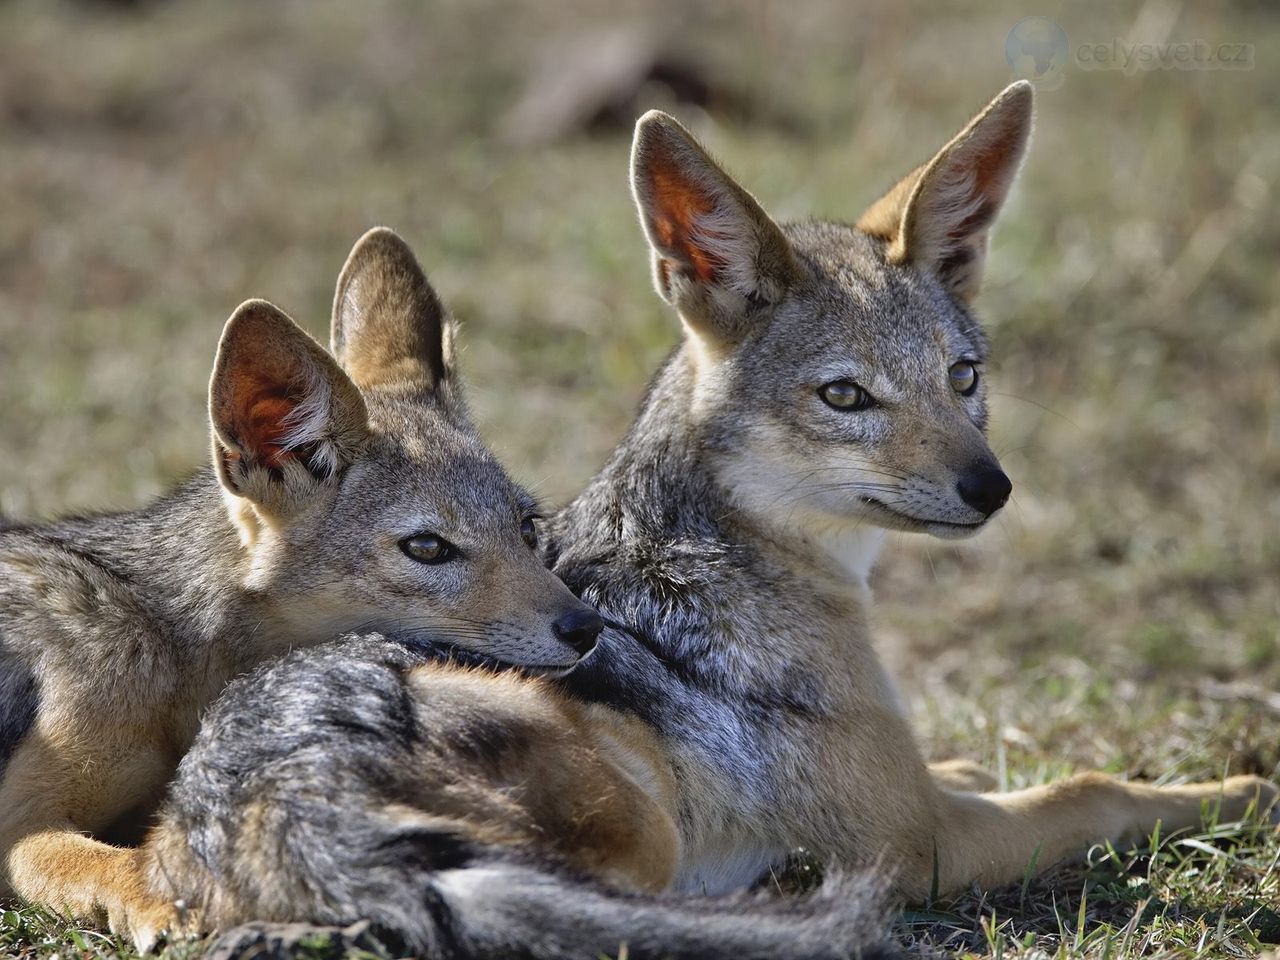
pixel 940 215
pixel 285 417
pixel 717 256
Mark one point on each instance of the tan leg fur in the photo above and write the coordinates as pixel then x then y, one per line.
pixel 54 784
pixel 992 838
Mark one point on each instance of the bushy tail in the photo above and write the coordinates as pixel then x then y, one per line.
pixel 291 808
pixel 505 910
pixel 446 897
pixel 510 911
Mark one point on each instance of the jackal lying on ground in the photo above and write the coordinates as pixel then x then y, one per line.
pixel 338 488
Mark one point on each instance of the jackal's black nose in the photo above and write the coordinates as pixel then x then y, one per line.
pixel 985 488
pixel 579 628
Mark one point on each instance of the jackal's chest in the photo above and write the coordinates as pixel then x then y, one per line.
pixel 732 786
pixel 728 846
pixel 727 869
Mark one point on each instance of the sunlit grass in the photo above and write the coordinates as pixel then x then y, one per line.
pixel 162 166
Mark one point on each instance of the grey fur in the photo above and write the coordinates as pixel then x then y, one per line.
pixel 713 538
pixel 116 631
pixel 318 755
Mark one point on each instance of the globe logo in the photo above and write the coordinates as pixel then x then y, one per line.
pixel 1036 50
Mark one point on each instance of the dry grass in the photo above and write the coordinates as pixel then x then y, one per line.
pixel 159 167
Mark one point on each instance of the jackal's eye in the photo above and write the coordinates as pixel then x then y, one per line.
pixel 428 548
pixel 964 378
pixel 529 533
pixel 845 395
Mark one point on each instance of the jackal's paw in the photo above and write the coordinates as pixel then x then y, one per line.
pixel 964 776
pixel 1246 795
pixel 145 922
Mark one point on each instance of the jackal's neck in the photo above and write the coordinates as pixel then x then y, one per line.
pixel 668 482
pixel 739 606
pixel 657 484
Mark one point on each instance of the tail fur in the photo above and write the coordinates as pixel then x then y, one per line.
pixel 509 910
pixel 506 910
pixel 493 907
pixel 295 805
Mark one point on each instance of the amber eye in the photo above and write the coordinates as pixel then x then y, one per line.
pixel 964 378
pixel 529 533
pixel 428 548
pixel 845 395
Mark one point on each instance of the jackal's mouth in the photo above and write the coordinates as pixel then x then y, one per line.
pixel 919 523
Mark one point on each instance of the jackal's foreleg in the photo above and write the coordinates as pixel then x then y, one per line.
pixel 52 794
pixel 91 881
pixel 993 839
pixel 896 811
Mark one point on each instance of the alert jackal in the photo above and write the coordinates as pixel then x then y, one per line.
pixel 831 386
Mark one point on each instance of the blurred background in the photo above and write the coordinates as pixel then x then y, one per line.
pixel 162 161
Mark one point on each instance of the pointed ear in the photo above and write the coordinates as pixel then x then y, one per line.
pixel 940 215
pixel 388 324
pixel 717 256
pixel 285 417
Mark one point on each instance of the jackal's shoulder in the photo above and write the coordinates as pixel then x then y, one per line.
pixel 49 589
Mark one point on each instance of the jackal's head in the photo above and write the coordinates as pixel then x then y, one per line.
pixel 364 498
pixel 838 370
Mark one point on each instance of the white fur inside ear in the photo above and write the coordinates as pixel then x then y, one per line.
pixel 728 237
pixel 258 498
pixel 307 424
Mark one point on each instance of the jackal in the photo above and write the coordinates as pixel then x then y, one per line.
pixel 337 488
pixel 830 387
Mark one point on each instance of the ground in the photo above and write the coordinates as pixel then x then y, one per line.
pixel 163 161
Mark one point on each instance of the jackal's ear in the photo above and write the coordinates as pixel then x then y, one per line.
pixel 717 256
pixel 285 417
pixel 940 215
pixel 388 324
